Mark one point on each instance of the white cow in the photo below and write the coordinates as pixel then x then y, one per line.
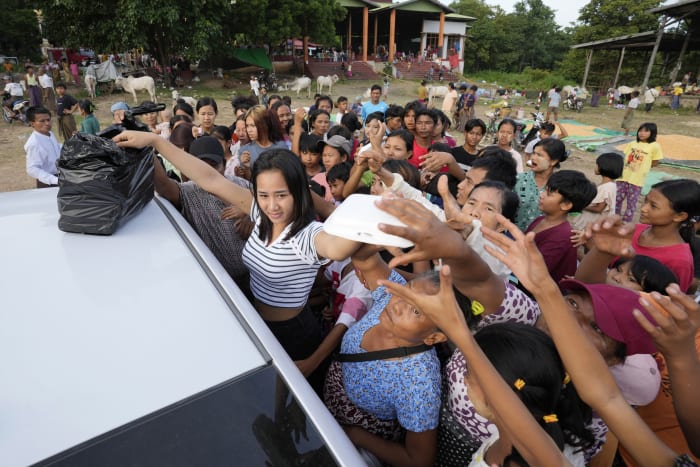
pixel 300 84
pixel 131 85
pixel 90 85
pixel 436 91
pixel 329 81
pixel 190 100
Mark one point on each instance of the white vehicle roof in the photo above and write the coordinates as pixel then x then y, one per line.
pixel 99 331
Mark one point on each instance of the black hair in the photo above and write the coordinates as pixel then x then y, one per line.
pixel 429 112
pixel 242 103
pixel 651 128
pixel 684 196
pixel 341 99
pixel 278 104
pixel 473 123
pixel 507 121
pixel 499 165
pixel 548 127
pixel 181 136
pixel 184 106
pixel 651 274
pixel 287 100
pixel 610 164
pixel 33 111
pixel 339 172
pixel 574 187
pixel 510 202
pixel 375 87
pixel 297 181
pixel 555 149
pixel 413 105
pixel 374 116
pixel 394 111
pixel 314 115
pixel 324 98
pixel 176 118
pixel 439 147
pixel 350 121
pixel 317 188
pixel 473 87
pixel 60 84
pixel 204 101
pixel 340 130
pixel 86 106
pixel 520 352
pixel 221 132
pixel 309 143
pixel 410 174
pixel 446 122
pixel 405 135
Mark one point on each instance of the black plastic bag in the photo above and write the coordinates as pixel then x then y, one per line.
pixel 101 185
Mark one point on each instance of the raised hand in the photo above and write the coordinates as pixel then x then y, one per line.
pixel 610 235
pixel 435 161
pixel 520 254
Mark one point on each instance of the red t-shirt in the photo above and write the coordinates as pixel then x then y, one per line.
pixel 678 258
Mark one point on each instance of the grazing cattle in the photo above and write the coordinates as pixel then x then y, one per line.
pixel 436 91
pixel 190 100
pixel 323 81
pixel 300 84
pixel 367 94
pixel 131 85
pixel 90 85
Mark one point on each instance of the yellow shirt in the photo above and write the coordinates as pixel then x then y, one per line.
pixel 422 92
pixel 638 158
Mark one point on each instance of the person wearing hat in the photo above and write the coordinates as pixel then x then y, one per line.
pixel 13 92
pixel 118 110
pixel 204 211
pixel 334 151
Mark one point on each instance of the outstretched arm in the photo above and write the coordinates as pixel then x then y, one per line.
pixel 676 336
pixel 584 363
pixel 194 168
pixel 512 415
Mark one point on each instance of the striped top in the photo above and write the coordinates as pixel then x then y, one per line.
pixel 283 272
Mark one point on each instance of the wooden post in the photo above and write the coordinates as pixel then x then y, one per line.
pixel 348 44
pixel 365 32
pixel 679 64
pixel 376 27
pixel 441 34
pixel 619 67
pixel 392 33
pixel 305 45
pixel 589 52
pixel 659 35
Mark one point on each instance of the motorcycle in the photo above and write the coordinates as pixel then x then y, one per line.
pixel 19 107
pixel 573 103
pixel 537 122
pixel 268 79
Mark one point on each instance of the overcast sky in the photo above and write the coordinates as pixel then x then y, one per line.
pixel 565 12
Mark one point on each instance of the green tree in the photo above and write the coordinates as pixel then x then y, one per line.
pixel 603 19
pixel 544 43
pixel 20 36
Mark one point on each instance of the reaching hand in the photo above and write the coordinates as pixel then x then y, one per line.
pixel 610 235
pixel 441 308
pixel 435 161
pixel 135 139
pixel 677 320
pixel 520 254
pixel 432 238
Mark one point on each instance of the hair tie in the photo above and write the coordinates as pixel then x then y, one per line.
pixel 551 418
pixel 477 309
pixel 519 384
pixel 567 379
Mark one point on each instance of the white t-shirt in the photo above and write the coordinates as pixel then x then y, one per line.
pixel 14 89
pixel 634 103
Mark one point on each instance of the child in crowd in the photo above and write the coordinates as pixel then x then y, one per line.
pixel 89 125
pixel 336 178
pixel 334 151
pixel 566 191
pixel 342 106
pixel 66 105
pixel 640 157
pixel 547 156
pixel 310 154
pixel 609 167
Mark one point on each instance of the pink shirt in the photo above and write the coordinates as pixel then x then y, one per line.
pixel 678 258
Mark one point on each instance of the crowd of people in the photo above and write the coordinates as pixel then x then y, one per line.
pixel 525 325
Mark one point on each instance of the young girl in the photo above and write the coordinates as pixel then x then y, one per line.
pixel 505 135
pixel 284 115
pixel 609 167
pixel 320 122
pixel 286 247
pixel 640 157
pixel 440 130
pixel 240 136
pixel 151 118
pixel 206 113
pixel 334 151
pixel 264 132
pixel 310 154
pixel 89 125
pixel 548 155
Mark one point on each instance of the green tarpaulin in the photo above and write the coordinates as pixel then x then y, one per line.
pixel 256 57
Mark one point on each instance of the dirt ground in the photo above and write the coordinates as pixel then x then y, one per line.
pixel 13 137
